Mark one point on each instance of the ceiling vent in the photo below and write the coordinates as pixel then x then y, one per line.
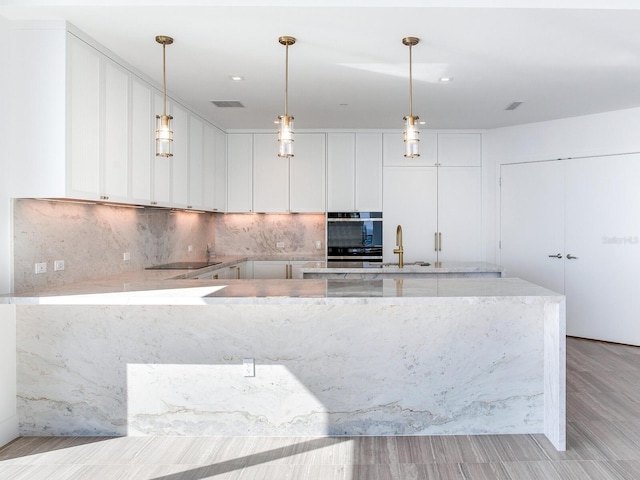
pixel 513 105
pixel 227 103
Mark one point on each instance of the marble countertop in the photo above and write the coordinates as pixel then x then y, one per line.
pixel 410 267
pixel 158 288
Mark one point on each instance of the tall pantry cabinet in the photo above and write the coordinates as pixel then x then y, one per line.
pixel 436 198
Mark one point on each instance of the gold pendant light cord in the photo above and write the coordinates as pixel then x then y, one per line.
pixel 410 81
pixel 164 79
pixel 286 82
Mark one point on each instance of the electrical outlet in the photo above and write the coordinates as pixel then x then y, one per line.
pixel 126 256
pixel 41 267
pixel 248 367
pixel 280 245
pixel 190 248
pixel 318 245
pixel 58 265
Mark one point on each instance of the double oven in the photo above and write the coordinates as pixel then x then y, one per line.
pixel 354 239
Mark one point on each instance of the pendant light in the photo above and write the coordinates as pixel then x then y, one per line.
pixel 285 122
pixel 164 132
pixel 411 130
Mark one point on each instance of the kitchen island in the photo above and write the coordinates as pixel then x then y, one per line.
pixel 324 357
pixel 372 271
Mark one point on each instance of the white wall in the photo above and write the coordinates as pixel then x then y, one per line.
pixel 5 230
pixel 590 135
pixel 8 417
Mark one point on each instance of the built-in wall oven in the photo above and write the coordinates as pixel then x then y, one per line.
pixel 354 237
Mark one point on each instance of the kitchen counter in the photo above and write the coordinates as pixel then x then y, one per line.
pixel 154 356
pixel 410 270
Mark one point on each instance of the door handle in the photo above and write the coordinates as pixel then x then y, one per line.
pixel 558 255
pixel 571 257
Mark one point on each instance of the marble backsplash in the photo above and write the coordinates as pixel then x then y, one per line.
pixel 257 234
pixel 92 239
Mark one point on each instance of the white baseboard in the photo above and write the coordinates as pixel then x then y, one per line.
pixel 8 430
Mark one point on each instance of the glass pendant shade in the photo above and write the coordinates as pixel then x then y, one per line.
pixel 164 136
pixel 285 136
pixel 411 136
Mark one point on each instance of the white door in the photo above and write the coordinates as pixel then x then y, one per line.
pixel 532 223
pixel 603 231
pixel 410 200
pixel 459 214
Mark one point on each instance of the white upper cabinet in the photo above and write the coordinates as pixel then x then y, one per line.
pixel 289 184
pixel 84 120
pixel 239 173
pixel 307 183
pixel 459 149
pixel 270 175
pixel 220 171
pixel 354 169
pixel 180 159
pixel 196 163
pixel 142 141
pixel 97 122
pixel 116 134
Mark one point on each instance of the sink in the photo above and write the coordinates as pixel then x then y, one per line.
pixel 411 264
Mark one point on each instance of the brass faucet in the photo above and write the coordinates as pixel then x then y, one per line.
pixel 399 250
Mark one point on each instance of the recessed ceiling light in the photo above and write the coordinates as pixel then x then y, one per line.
pixel 446 79
pixel 236 78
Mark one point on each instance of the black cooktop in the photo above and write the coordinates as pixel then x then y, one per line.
pixel 182 266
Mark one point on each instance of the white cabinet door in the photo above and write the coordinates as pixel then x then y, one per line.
pixel 532 223
pixel 220 180
pixel 307 183
pixel 393 150
pixel 459 214
pixel 142 141
pixel 239 173
pixel 209 167
pixel 161 194
pixel 368 172
pixel 341 172
pixel 196 163
pixel 354 169
pixel 410 200
pixel 84 111
pixel 270 269
pixel 270 175
pixel 459 149
pixel 602 225
pixel 115 152
pixel 180 159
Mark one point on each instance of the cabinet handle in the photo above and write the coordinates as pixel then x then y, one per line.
pixel 104 197
pixel 215 276
pixel 435 240
pixel 153 203
pixel 571 257
pixel 237 269
pixel 557 255
pixel 439 241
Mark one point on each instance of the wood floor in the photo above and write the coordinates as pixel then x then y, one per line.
pixel 603 436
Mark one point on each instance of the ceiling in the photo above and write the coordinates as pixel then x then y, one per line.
pixel 350 70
